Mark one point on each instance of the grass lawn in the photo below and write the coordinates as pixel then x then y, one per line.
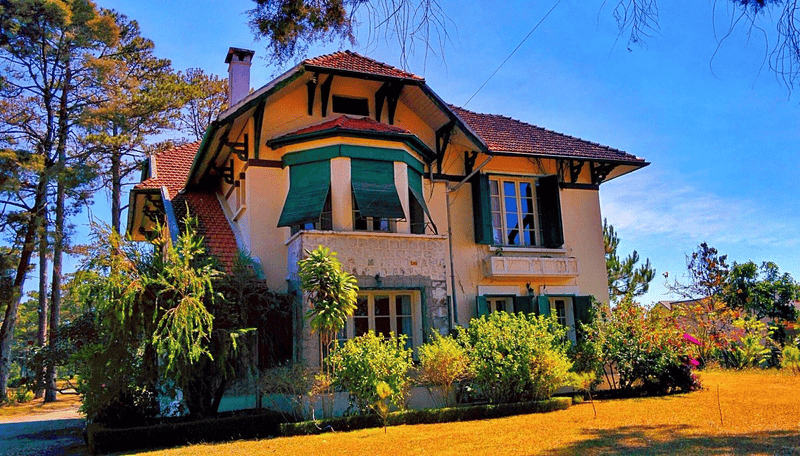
pixel 760 415
pixel 38 407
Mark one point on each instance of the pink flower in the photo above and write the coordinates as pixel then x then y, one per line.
pixel 691 339
pixel 694 362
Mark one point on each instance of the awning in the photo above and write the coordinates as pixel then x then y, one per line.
pixel 308 189
pixel 374 189
pixel 415 186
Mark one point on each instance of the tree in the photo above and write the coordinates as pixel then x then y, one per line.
pixel 625 279
pixel 205 96
pixel 47 51
pixel 291 25
pixel 705 312
pixel 141 96
pixel 762 291
pixel 332 292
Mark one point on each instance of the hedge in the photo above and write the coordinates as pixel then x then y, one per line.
pixel 240 426
pixel 427 416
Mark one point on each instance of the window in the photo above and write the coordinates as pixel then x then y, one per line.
pixel 562 309
pixel 514 213
pixel 384 312
pixel 363 223
pixel 500 304
pixel 325 221
pixel 517 211
pixel 348 105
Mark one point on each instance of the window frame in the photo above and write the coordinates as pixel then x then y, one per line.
pixel 500 199
pixel 348 332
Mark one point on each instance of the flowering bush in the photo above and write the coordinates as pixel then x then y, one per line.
pixel 516 357
pixel 364 362
pixel 442 363
pixel 749 345
pixel 633 348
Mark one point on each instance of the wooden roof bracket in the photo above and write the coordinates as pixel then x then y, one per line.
pixel 575 170
pixel 469 160
pixel 258 124
pixel 600 171
pixel 442 140
pixel 311 85
pixel 390 92
pixel 241 149
pixel 226 172
pixel 325 93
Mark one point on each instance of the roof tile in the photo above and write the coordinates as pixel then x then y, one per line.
pixel 171 168
pixel 351 61
pixel 347 123
pixel 212 224
pixel 504 134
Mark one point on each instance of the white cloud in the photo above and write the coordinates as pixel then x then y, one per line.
pixel 649 204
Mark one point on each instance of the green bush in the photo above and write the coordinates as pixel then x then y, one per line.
pixel 791 359
pixel 363 362
pixel 645 349
pixel 442 363
pixel 428 416
pixel 516 357
pixel 746 348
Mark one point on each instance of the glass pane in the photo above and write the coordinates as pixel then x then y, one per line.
pixel 498 237
pixel 362 307
pixel 495 203
pixel 527 237
pixel 511 204
pixel 525 190
pixel 494 187
pixel 381 305
pixel 404 327
pixel 360 325
pixel 527 206
pixel 402 305
pixel 383 325
pixel 509 189
pixel 500 305
pixel 512 224
pixel 497 220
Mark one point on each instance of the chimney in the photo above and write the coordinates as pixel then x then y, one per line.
pixel 238 61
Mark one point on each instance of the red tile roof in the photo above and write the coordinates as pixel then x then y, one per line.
pixel 171 168
pixel 504 134
pixel 212 224
pixel 347 123
pixel 351 61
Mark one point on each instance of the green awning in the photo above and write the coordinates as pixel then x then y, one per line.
pixel 308 190
pixel 374 189
pixel 415 186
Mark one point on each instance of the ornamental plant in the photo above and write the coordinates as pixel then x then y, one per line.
pixel 791 359
pixel 633 348
pixel 364 362
pixel 750 345
pixel 442 363
pixel 516 357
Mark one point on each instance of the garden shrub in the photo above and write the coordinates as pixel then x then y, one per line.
pixel 750 345
pixel 516 357
pixel 361 363
pixel 791 358
pixel 645 349
pixel 442 363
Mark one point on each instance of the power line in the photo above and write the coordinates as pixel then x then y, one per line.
pixel 512 52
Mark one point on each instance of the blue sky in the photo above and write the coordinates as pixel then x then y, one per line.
pixel 720 131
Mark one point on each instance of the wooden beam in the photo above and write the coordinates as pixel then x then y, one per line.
pixel 389 92
pixel 575 170
pixel 469 161
pixel 600 171
pixel 258 122
pixel 241 149
pixel 442 140
pixel 325 93
pixel 311 85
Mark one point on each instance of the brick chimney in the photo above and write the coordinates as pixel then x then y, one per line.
pixel 238 61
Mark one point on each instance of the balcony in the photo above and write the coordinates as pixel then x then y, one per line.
pixel 531 266
pixel 369 254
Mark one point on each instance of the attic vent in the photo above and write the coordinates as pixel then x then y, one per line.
pixel 352 106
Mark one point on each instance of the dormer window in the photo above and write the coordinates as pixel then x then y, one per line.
pixel 350 105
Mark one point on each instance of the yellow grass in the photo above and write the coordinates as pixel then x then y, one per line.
pixel 760 415
pixel 38 407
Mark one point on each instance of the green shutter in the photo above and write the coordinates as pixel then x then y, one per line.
pixel 483 307
pixel 482 209
pixel 550 211
pixel 582 305
pixel 523 304
pixel 374 189
pixel 544 305
pixel 415 186
pixel 308 190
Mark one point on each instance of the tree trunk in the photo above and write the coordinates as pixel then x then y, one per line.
pixel 10 318
pixel 116 188
pixel 41 334
pixel 58 235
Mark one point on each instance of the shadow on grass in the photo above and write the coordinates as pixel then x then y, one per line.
pixel 652 440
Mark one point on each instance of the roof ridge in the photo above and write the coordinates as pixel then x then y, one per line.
pixel 319 61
